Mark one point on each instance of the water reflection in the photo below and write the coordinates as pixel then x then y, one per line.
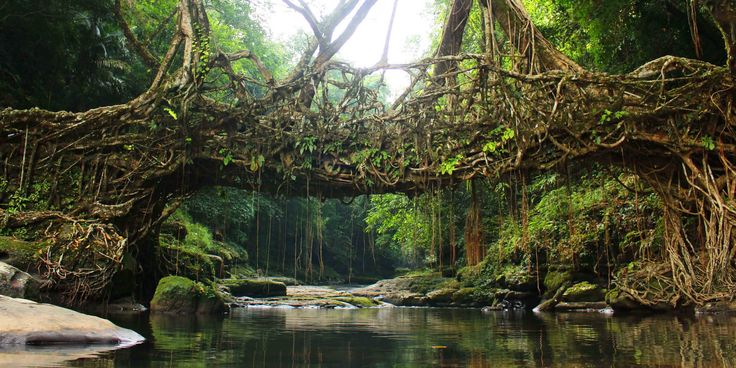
pixel 402 337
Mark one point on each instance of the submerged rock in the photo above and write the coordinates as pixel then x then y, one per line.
pixel 18 284
pixel 26 322
pixel 257 288
pixel 580 306
pixel 180 295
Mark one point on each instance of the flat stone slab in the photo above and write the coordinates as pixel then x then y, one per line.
pixel 301 297
pixel 26 322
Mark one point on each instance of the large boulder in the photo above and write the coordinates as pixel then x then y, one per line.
pixel 441 297
pixel 584 292
pixel 180 295
pixel 18 284
pixel 554 280
pixel 256 288
pixel 472 297
pixel 26 322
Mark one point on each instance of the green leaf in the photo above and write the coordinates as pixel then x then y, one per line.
pixel 171 112
pixel 708 143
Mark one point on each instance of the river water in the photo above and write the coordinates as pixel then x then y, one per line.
pixel 420 337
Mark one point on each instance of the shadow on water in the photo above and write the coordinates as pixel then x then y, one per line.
pixel 407 337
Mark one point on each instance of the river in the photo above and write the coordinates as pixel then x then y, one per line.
pixel 417 337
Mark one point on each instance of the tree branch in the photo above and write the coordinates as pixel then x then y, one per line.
pixel 148 58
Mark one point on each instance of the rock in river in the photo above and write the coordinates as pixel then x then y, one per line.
pixel 17 284
pixel 25 322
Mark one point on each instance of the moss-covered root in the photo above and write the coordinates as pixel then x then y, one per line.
pixel 180 295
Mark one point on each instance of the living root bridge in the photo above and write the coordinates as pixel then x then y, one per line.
pixel 83 181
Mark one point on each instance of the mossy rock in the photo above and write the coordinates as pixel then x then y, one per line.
pixel 441 296
pixel 180 295
pixel 584 292
pixel 471 297
pixel 258 288
pixel 18 284
pixel 288 281
pixel 555 280
pixel 517 279
pixel 18 253
pixel 622 301
pixel 358 301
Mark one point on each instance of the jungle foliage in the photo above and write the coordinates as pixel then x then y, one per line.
pixel 215 117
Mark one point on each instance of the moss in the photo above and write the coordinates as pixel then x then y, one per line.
pixel 425 282
pixel 583 292
pixel 464 296
pixel 255 287
pixel 555 279
pixel 176 294
pixel 288 281
pixel 241 271
pixel 197 255
pixel 442 296
pixel 18 253
pixel 358 301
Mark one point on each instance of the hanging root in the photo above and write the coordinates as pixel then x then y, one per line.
pixel 82 260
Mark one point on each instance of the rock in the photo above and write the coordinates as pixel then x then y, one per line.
pixel 722 306
pixel 125 305
pixel 406 299
pixel 583 292
pixel 622 301
pixel 258 288
pixel 26 322
pixel 358 301
pixel 580 306
pixel 554 280
pixel 471 297
pixel 288 281
pixel 441 297
pixel 19 253
pixel 180 295
pixel 18 284
pixel 516 299
pixel 516 281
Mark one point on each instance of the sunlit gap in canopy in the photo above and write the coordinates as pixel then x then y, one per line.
pixel 411 36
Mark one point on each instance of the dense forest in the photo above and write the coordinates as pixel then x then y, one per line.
pixel 189 143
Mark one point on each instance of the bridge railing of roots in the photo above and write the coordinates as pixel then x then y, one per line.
pixel 96 185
